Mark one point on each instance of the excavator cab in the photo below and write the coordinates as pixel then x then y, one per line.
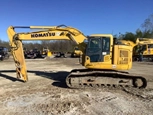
pixel 97 48
pixel 105 52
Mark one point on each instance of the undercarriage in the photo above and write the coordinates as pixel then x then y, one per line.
pixel 83 78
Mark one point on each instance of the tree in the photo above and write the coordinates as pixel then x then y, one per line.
pixel 4 44
pixel 143 34
pixel 148 23
pixel 130 36
pixel 147 26
pixel 139 33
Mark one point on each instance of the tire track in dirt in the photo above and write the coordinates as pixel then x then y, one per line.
pixel 40 96
pixel 70 101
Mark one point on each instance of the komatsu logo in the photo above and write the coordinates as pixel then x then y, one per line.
pixel 45 34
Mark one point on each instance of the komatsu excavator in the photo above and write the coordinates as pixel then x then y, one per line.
pixel 145 46
pixel 76 52
pixel 103 58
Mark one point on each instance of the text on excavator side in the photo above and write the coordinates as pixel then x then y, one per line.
pixel 45 34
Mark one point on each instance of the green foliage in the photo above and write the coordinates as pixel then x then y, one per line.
pixel 148 34
pixel 138 34
pixel 130 36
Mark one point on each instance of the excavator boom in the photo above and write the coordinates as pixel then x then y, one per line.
pixel 42 33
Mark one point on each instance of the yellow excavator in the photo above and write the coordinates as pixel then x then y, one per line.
pixel 145 45
pixel 142 45
pixel 46 52
pixel 76 52
pixel 103 57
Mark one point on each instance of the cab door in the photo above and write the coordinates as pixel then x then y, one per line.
pixel 97 48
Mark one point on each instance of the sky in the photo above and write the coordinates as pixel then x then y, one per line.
pixel 88 16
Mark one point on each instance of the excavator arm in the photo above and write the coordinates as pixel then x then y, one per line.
pixel 129 43
pixel 61 32
pixel 144 41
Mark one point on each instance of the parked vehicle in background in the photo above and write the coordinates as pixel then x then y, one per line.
pixel 144 49
pixel 46 52
pixel 4 54
pixel 32 54
pixel 76 52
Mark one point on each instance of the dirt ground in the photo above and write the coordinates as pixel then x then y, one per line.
pixel 46 93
